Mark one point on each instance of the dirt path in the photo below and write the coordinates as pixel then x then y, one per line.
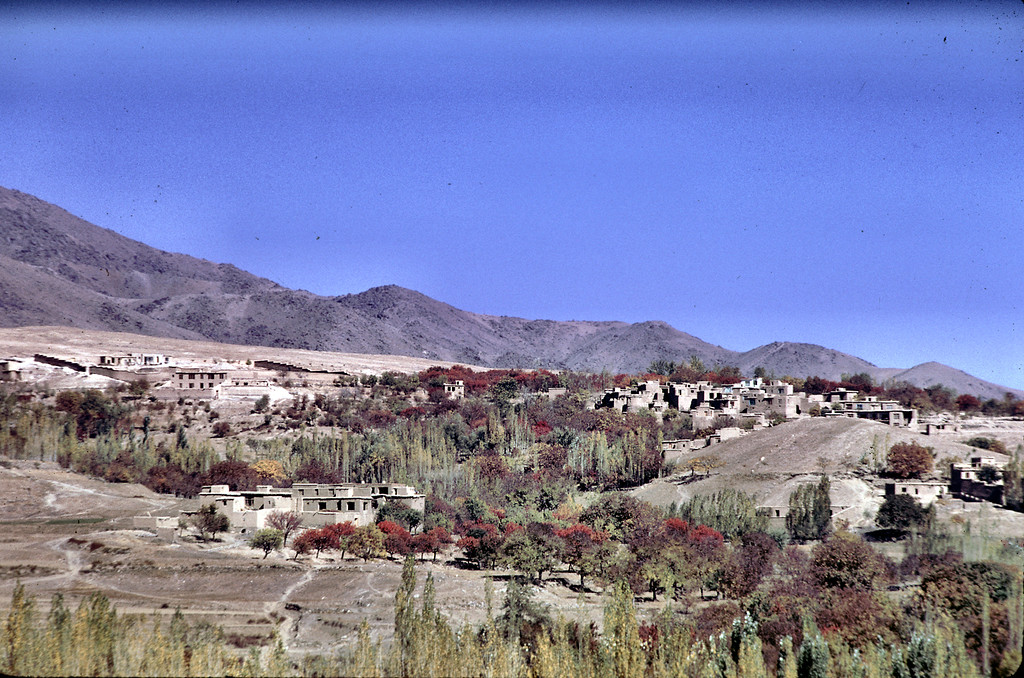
pixel 287 629
pixel 72 557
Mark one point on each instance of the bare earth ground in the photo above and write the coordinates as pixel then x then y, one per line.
pixel 770 464
pixel 70 534
pixel 87 345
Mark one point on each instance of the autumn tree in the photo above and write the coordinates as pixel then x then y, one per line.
pixel 367 542
pixel 344 532
pixel 303 543
pixel 396 538
pixel 748 564
pixel 703 464
pixel 481 543
pixel 286 522
pixel 968 403
pixel 908 460
pixel 317 539
pixel 581 543
pixel 846 561
pixel 269 470
pixel 431 541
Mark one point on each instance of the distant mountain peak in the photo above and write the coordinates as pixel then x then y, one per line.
pixel 57 269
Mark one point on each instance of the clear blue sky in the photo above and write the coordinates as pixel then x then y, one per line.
pixel 844 174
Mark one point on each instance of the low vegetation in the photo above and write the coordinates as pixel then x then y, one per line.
pixel 532 485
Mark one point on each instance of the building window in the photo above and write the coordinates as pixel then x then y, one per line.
pixel 351 506
pixel 323 506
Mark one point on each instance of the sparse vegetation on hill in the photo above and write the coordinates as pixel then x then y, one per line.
pixel 531 484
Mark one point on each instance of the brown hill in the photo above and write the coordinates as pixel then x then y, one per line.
pixel 770 464
pixel 57 269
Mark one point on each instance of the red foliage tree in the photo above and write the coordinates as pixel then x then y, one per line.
pixel 492 466
pixel 482 543
pixel 968 403
pixel 320 539
pixel 396 538
pixel 343 531
pixel 580 544
pixel 908 460
pixel 431 541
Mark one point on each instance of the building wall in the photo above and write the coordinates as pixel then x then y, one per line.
pixel 926 493
pixel 318 504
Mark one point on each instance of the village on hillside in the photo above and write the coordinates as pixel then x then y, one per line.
pixel 299 477
pixel 747 405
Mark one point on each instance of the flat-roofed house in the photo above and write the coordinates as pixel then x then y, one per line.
pixel 319 504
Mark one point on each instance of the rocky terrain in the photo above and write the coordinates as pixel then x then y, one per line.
pixel 57 269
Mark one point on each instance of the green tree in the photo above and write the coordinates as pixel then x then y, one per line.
pixel 624 655
pixel 503 391
pixel 367 542
pixel 731 512
pixel 662 367
pixel 522 552
pixel 810 511
pixel 520 613
pixel 813 660
pixel 262 404
pixel 903 512
pixel 209 521
pixel 267 540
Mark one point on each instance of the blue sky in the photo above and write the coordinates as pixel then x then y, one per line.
pixel 845 174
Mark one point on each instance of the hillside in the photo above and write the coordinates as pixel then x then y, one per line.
pixel 770 464
pixel 57 269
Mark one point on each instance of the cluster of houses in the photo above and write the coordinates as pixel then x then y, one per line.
pixel 754 399
pixel 318 504
pixel 180 379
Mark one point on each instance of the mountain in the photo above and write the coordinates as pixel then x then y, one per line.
pixel 57 269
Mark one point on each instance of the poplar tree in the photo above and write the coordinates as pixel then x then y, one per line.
pixel 810 511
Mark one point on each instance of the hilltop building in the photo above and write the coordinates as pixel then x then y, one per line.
pixel 753 398
pixel 845 403
pixel 134 360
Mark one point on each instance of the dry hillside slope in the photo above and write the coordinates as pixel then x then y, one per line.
pixel 769 464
